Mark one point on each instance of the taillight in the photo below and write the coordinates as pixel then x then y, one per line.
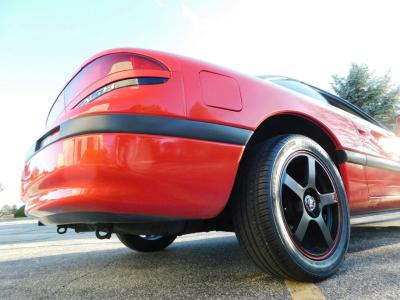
pixel 146 63
pixel 106 66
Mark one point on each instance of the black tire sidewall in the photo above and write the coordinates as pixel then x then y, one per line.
pixel 315 268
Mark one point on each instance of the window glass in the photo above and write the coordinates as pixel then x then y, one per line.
pixel 300 88
pixel 341 106
pixel 324 97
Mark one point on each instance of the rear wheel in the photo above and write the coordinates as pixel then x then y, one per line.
pixel 146 243
pixel 291 213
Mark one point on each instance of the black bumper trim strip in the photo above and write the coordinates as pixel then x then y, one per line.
pixel 142 124
pixel 367 160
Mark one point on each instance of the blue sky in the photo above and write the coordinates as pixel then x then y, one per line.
pixel 43 42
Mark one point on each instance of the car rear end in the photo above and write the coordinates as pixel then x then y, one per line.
pixel 118 148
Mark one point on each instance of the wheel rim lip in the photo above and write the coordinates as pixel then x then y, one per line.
pixel 151 237
pixel 296 243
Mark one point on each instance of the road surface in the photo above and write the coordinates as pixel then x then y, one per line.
pixel 36 262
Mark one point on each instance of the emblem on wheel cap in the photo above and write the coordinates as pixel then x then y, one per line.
pixel 310 203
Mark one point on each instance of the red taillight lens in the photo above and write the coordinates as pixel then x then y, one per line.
pixel 146 63
pixel 105 66
pixel 99 69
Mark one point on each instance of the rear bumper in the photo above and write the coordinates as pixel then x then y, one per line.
pixel 83 176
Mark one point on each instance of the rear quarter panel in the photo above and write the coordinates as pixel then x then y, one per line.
pixel 262 100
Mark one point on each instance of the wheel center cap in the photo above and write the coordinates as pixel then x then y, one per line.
pixel 310 203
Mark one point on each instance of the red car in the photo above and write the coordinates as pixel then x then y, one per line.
pixel 150 145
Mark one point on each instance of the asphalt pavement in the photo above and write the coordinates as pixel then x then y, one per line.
pixel 37 263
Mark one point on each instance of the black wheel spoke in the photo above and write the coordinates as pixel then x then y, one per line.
pixel 311 172
pixel 325 231
pixel 302 227
pixel 313 221
pixel 327 199
pixel 293 185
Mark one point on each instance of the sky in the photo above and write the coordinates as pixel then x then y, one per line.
pixel 42 43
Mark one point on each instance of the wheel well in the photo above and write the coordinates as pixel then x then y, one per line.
pixel 284 124
pixel 291 124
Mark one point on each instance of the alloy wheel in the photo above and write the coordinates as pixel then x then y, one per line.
pixel 310 206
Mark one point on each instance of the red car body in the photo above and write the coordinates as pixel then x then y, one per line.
pixel 172 150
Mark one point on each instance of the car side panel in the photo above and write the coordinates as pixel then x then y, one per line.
pixel 383 184
pixel 353 176
pixel 262 100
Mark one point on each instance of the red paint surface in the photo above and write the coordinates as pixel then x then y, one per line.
pixel 131 174
pixel 220 91
pixel 354 181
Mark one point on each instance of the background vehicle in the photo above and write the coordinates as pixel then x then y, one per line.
pixel 151 145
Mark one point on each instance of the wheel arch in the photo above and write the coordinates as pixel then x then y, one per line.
pixel 289 123
pixel 294 123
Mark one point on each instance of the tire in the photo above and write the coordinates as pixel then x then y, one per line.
pixel 289 224
pixel 146 243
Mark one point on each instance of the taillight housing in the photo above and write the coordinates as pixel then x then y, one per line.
pixel 140 62
pixel 104 67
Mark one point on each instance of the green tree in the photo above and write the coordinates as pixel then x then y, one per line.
pixel 20 212
pixel 376 95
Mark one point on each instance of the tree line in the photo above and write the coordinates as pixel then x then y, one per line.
pixel 11 210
